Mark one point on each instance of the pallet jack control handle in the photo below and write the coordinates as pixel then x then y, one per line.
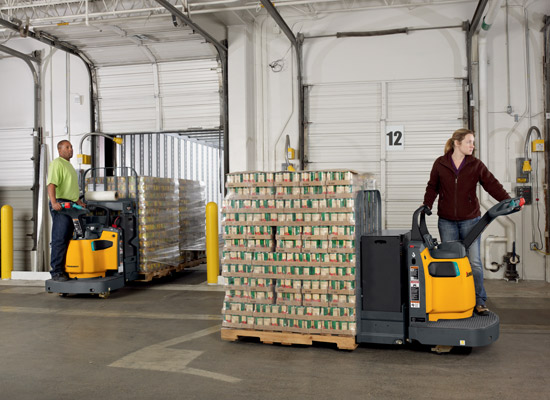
pixel 509 206
pixel 75 212
pixel 505 207
pixel 73 209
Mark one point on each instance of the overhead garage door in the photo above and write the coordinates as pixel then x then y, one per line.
pixel 351 125
pixel 16 181
pixel 181 98
pixel 168 96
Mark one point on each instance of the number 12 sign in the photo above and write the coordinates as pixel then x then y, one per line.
pixel 395 138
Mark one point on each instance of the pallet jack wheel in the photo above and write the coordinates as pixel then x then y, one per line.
pixel 63 294
pixel 104 295
pixel 441 349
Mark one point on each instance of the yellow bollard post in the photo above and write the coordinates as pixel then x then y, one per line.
pixel 6 222
pixel 212 244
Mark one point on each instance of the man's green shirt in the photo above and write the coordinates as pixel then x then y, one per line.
pixel 63 175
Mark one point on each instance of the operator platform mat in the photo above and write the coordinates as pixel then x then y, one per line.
pixel 288 339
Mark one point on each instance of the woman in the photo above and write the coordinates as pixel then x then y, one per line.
pixel 454 178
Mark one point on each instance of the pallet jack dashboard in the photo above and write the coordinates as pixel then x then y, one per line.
pixel 415 290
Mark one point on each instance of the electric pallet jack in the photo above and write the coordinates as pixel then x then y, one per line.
pixel 104 252
pixel 414 290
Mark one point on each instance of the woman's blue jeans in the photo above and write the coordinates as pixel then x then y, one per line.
pixel 458 230
pixel 62 232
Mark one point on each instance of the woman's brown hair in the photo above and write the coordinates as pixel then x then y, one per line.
pixel 459 135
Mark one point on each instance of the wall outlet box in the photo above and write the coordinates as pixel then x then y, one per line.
pixel 526 193
pixel 537 145
pixel 84 159
pixel 521 177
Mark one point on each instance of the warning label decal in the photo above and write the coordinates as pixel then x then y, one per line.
pixel 414 287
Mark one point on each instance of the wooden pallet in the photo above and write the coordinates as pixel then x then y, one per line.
pixel 287 338
pixel 149 276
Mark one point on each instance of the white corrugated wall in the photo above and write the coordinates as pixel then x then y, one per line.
pixel 170 156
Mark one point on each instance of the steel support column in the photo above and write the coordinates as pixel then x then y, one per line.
pixel 471 29
pixel 546 74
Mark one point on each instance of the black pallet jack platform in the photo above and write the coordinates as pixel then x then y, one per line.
pixel 102 286
pixel 478 330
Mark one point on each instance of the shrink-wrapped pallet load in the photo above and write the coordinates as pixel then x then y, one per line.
pixel 192 218
pixel 159 227
pixel 170 217
pixel 289 254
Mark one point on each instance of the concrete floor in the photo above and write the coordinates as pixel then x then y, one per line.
pixel 162 341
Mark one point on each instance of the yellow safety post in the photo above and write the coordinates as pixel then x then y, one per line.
pixel 6 222
pixel 212 244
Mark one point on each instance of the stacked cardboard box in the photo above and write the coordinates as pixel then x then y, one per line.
pixel 158 223
pixel 160 201
pixel 289 252
pixel 192 218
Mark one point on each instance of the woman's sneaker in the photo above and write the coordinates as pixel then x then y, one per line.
pixel 481 310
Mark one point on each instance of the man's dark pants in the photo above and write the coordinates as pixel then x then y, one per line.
pixel 62 232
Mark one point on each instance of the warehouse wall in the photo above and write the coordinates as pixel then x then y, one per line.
pixel 263 103
pixel 507 132
pixel 65 114
pixel 61 118
pixel 65 90
pixel 418 56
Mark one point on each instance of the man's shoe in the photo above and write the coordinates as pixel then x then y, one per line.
pixel 60 278
pixel 481 310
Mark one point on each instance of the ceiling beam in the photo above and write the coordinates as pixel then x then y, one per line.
pixel 177 13
pixel 477 17
pixel 280 21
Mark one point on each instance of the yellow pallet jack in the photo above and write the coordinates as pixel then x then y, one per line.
pixel 104 252
pixel 415 290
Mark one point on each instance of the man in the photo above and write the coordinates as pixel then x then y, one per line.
pixel 62 187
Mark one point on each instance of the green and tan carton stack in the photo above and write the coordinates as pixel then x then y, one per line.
pixel 289 251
